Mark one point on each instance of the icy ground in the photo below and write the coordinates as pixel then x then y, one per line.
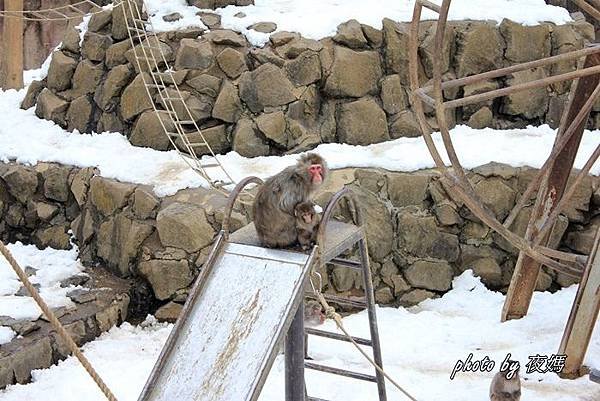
pixel 29 140
pixel 317 19
pixel 420 347
pixel 52 267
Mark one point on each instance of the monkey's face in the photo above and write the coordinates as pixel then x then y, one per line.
pixel 308 217
pixel 316 174
pixel 510 395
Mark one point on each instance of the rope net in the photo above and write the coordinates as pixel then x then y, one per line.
pixel 66 12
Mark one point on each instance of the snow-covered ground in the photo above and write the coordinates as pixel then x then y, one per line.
pixel 317 19
pixel 420 346
pixel 52 265
pixel 28 139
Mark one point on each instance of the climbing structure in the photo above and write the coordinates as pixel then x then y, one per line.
pixel 550 181
pixel 180 126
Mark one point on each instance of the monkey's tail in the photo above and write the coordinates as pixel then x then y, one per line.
pixel 330 313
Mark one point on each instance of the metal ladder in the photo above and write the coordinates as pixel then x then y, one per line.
pixel 149 56
pixel 295 388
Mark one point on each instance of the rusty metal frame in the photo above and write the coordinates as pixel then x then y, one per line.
pixel 550 181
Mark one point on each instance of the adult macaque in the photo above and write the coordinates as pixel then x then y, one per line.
pixel 276 200
pixel 307 223
pixel 506 386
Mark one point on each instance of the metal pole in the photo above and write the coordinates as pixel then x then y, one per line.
pixel 294 358
pixel 12 52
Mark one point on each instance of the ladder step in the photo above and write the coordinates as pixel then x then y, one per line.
pixel 337 336
pixel 211 165
pixel 172 99
pixel 157 86
pixel 197 144
pixel 143 47
pixel 430 5
pixel 183 122
pixel 137 30
pixel 340 372
pixel 173 134
pixel 360 304
pixel 353 264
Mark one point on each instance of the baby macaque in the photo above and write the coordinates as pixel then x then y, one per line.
pixel 506 386
pixel 313 316
pixel 307 224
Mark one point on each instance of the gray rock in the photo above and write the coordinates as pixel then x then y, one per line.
pixel 362 122
pixel 529 104
pixel 246 141
pixel 228 106
pixel 211 20
pixel 23 292
pixel 33 91
pixel 416 296
pixel 431 275
pixel 115 54
pixel 273 126
pixel 172 17
pixel 488 270
pixel 22 182
pixel 304 69
pixel 186 105
pixel 194 54
pixel 60 71
pixel 108 195
pixel 205 84
pixel 482 118
pixel 87 78
pixel 116 79
pixel 215 136
pixel 525 43
pixel 226 37
pixel 405 125
pixel 79 114
pixel 51 107
pixel 408 189
pixel 350 34
pixel 135 99
pixel 266 86
pixel 152 57
pixel 353 74
pixel 144 203
pixel 298 46
pixel 169 312
pixel 148 130
pixel 479 48
pixel 184 226
pixel 99 21
pixel 56 183
pixel 71 40
pixel 53 236
pixel 232 62
pixel 264 27
pixel 496 195
pixel 94 46
pixel 393 96
pixel 283 37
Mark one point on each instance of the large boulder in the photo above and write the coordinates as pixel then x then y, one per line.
pixel 51 107
pixel 186 105
pixel 33 91
pixel 228 106
pixel 184 226
pixel 496 195
pixel 149 132
pixel 406 189
pixel 79 114
pixel 87 77
pixel 115 54
pixel 479 48
pixel 525 43
pixel 116 79
pixel 108 196
pixel 135 99
pixel 226 37
pixel 393 96
pixel 166 276
pixel 94 46
pixel 246 140
pixel 56 183
pixel 420 236
pixel 205 84
pixel 304 69
pixel 430 275
pixel 362 122
pixel 350 34
pixel 353 74
pixel 149 51
pixel 232 62
pixel 530 104
pixel 215 136
pixel 405 124
pixel 273 126
pixel 395 37
pixel 194 54
pixel 22 182
pixel 267 86
pixel 60 71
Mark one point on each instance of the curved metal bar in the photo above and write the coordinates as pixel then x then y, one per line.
pixel 333 202
pixel 232 198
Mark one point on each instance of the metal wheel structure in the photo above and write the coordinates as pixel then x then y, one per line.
pixel 550 182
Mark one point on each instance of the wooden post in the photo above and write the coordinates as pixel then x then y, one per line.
pixel 526 271
pixel 12 51
pixel 294 358
pixel 582 319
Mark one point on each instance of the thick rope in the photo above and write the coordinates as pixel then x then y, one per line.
pixel 330 313
pixel 56 323
pixel 44 14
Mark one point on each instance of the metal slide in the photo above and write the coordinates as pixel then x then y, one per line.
pixel 232 325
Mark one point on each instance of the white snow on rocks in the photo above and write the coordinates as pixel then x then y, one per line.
pixel 52 265
pixel 316 19
pixel 29 140
pixel 420 347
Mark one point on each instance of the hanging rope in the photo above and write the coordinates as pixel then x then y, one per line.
pixel 61 13
pixel 330 313
pixel 64 335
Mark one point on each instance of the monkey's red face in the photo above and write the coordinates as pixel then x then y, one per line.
pixel 316 173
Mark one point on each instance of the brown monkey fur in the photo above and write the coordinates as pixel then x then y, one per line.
pixel 307 224
pixel 277 198
pixel 504 389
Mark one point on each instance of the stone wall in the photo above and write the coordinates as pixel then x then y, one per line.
pixel 295 92
pixel 419 238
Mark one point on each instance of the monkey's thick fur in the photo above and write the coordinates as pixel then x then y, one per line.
pixel 503 389
pixel 306 229
pixel 276 199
